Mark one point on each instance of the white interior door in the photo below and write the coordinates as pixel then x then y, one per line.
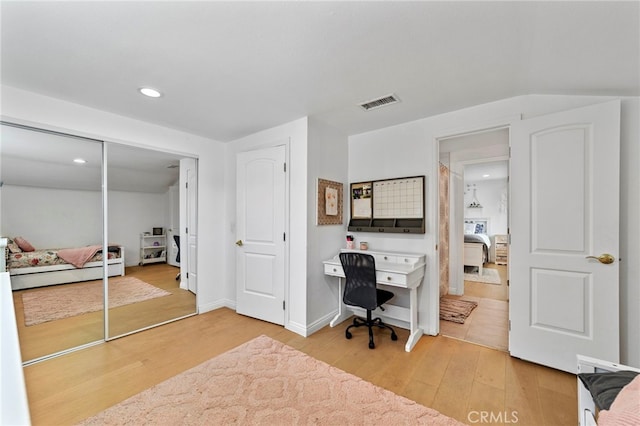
pixel 174 225
pixel 260 259
pixel 188 224
pixel 564 206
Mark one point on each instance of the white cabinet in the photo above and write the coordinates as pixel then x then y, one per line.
pixel 153 248
pixel 502 249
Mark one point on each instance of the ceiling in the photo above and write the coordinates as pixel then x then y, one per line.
pixel 229 69
pixel 45 160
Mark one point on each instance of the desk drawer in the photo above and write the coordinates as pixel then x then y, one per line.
pixel 391 278
pixel 335 270
pixel 384 258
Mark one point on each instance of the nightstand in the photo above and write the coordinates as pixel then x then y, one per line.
pixel 501 245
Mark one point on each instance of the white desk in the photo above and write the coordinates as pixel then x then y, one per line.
pixel 402 270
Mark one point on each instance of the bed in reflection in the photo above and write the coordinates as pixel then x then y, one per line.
pixel 30 268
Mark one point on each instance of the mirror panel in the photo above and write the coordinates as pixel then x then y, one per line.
pixel 144 217
pixel 53 203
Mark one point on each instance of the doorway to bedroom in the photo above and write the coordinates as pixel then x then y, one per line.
pixel 473 247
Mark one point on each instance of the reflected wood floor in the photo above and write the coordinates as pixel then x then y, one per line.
pixel 51 337
pixel 488 323
pixel 459 379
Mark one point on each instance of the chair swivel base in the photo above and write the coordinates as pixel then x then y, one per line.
pixel 369 323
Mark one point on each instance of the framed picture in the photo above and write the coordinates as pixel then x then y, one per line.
pixel 330 204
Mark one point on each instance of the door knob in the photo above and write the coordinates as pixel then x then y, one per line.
pixel 239 243
pixel 605 258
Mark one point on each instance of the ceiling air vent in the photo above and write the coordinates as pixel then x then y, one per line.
pixel 377 103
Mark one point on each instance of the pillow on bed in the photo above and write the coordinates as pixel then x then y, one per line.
pixel 23 244
pixel 625 410
pixel 604 387
pixel 469 228
pixel 13 247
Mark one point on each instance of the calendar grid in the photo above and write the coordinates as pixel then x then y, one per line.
pixel 398 198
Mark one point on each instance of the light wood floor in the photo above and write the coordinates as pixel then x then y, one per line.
pixel 488 324
pixel 51 337
pixel 456 378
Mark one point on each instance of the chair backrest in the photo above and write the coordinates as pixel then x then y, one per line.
pixel 360 287
pixel 176 238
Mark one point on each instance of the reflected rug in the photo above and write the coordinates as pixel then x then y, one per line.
pixel 489 276
pixel 68 300
pixel 456 310
pixel 265 382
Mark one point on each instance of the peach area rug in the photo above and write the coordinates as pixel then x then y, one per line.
pixel 68 300
pixel 265 382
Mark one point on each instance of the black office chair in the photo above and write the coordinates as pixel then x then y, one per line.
pixel 360 290
pixel 176 238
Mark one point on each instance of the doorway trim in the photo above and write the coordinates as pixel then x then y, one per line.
pixel 434 272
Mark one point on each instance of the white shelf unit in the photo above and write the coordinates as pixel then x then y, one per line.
pixel 153 248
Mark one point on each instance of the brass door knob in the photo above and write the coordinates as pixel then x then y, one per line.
pixel 239 243
pixel 605 258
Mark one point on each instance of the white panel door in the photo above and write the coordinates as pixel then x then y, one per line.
pixel 260 259
pixel 192 227
pixel 188 224
pixel 564 205
pixel 174 225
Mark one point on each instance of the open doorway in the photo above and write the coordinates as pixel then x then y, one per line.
pixel 474 230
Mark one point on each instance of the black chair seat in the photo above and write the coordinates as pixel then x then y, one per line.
pixel 361 290
pixel 382 296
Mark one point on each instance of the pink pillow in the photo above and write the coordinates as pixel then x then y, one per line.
pixel 625 409
pixel 23 244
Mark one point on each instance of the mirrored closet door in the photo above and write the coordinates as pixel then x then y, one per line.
pixel 59 191
pixel 51 199
pixel 144 207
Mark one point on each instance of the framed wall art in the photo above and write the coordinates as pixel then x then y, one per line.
pixel 330 204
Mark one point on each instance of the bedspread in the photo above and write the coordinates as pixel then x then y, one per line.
pixel 46 257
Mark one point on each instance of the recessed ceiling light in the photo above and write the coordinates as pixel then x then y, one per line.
pixel 486 176
pixel 79 161
pixel 148 91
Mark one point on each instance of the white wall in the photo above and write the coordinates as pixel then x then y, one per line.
pixel 132 213
pixel 328 159
pixel 51 218
pixel 490 193
pixel 41 111
pixel 409 149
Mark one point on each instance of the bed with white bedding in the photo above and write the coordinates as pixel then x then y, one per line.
pixel 476 243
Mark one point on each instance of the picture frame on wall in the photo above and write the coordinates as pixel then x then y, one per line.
pixel 329 202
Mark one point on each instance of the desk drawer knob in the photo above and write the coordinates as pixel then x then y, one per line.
pixel 335 270
pixel 388 278
pixel 385 258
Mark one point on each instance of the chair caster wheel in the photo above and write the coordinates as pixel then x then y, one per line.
pixel 394 337
pixel 371 345
pixel 348 335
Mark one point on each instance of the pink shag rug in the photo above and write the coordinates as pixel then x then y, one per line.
pixel 68 300
pixel 265 382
